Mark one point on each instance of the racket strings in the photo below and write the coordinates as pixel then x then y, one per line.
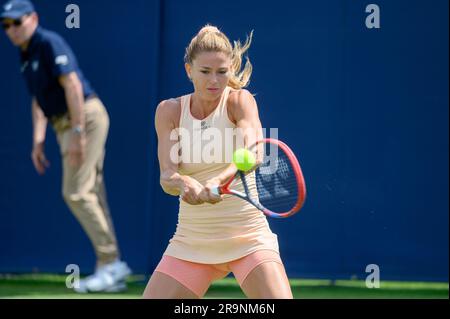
pixel 276 181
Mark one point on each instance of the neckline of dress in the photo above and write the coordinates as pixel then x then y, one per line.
pixel 210 114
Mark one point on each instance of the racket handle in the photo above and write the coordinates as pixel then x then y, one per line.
pixel 215 191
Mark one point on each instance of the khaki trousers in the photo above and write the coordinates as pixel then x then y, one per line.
pixel 83 187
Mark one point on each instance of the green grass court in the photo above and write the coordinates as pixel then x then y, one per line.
pixel 53 286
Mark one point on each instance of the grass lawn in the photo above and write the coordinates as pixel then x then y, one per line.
pixel 53 286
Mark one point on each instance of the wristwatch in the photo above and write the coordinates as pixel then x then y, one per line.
pixel 78 130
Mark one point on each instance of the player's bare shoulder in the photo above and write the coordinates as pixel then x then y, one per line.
pixel 240 101
pixel 168 112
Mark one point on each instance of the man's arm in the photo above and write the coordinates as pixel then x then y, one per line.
pixel 39 123
pixel 75 103
pixel 74 98
pixel 39 131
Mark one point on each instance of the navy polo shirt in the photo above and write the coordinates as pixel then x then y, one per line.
pixel 48 57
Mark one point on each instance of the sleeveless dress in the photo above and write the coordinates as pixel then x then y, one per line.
pixel 231 229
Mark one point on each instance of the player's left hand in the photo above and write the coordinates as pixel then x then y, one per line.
pixel 77 149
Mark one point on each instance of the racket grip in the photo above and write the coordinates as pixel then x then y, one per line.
pixel 215 191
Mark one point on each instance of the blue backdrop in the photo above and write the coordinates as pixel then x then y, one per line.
pixel 366 111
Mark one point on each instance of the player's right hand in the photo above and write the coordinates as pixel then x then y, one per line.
pixel 40 162
pixel 192 192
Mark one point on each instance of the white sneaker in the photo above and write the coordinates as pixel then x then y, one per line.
pixel 108 278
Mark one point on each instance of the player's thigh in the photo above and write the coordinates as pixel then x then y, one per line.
pixel 268 280
pixel 162 286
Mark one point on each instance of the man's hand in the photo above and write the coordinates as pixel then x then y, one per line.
pixel 40 162
pixel 77 149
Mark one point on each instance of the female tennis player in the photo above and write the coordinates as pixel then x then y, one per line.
pixel 215 235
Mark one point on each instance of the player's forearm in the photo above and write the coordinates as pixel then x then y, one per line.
pixel 226 174
pixel 39 124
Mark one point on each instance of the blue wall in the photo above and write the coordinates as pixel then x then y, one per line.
pixel 365 110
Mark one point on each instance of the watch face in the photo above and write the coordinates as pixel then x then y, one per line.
pixel 77 130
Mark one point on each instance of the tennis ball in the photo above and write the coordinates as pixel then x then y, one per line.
pixel 244 159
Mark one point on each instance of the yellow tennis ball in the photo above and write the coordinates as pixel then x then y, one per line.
pixel 244 159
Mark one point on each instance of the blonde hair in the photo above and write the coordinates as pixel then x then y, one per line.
pixel 211 39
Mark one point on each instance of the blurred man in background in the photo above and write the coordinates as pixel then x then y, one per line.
pixel 62 96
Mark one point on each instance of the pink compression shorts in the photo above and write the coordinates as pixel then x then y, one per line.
pixel 198 277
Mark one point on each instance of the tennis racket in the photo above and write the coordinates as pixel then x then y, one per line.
pixel 280 185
